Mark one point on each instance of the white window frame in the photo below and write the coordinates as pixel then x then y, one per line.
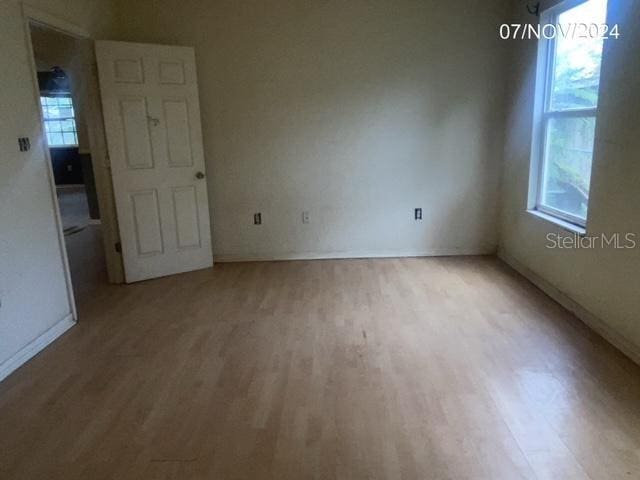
pixel 543 113
pixel 46 119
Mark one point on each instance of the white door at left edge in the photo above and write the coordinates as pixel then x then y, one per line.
pixel 152 122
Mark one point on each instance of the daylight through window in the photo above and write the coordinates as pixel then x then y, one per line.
pixel 570 70
pixel 59 121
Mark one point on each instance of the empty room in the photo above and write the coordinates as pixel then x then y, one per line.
pixel 319 239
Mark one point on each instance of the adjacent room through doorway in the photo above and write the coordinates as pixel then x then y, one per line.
pixel 61 71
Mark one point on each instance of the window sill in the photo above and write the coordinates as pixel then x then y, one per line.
pixel 559 222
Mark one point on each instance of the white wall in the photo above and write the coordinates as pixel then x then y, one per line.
pixel 356 111
pixel 604 283
pixel 35 306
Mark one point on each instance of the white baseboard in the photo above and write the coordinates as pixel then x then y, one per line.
pixel 444 252
pixel 35 346
pixel 595 323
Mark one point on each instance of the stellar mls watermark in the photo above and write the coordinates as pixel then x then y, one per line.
pixel 550 31
pixel 615 241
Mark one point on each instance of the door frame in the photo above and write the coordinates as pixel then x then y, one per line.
pixel 97 145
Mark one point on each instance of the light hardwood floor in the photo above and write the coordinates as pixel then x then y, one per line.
pixel 439 368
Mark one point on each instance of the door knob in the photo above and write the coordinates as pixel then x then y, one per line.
pixel 199 175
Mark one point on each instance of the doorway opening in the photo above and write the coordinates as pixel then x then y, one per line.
pixel 68 113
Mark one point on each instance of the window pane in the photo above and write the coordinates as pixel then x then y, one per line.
pixel 69 138
pixel 66 112
pixel 576 71
pixel 57 107
pixel 68 125
pixel 567 167
pixel 53 111
pixel 54 125
pixel 55 139
pixel 59 124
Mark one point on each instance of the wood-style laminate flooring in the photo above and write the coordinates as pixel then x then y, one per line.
pixel 433 368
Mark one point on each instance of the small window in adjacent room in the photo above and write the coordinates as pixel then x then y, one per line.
pixel 568 77
pixel 59 121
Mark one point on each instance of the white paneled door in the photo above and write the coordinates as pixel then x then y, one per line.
pixel 152 120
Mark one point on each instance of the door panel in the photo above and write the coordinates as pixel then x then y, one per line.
pixel 128 70
pixel 146 215
pixel 152 119
pixel 172 72
pixel 135 127
pixel 185 207
pixel 176 116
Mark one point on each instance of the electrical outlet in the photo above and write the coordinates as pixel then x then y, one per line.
pixel 69 168
pixel 257 219
pixel 305 217
pixel 417 214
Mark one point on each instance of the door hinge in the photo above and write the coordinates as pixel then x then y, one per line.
pixel 118 247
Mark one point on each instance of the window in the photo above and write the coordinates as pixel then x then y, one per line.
pixel 566 106
pixel 59 121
